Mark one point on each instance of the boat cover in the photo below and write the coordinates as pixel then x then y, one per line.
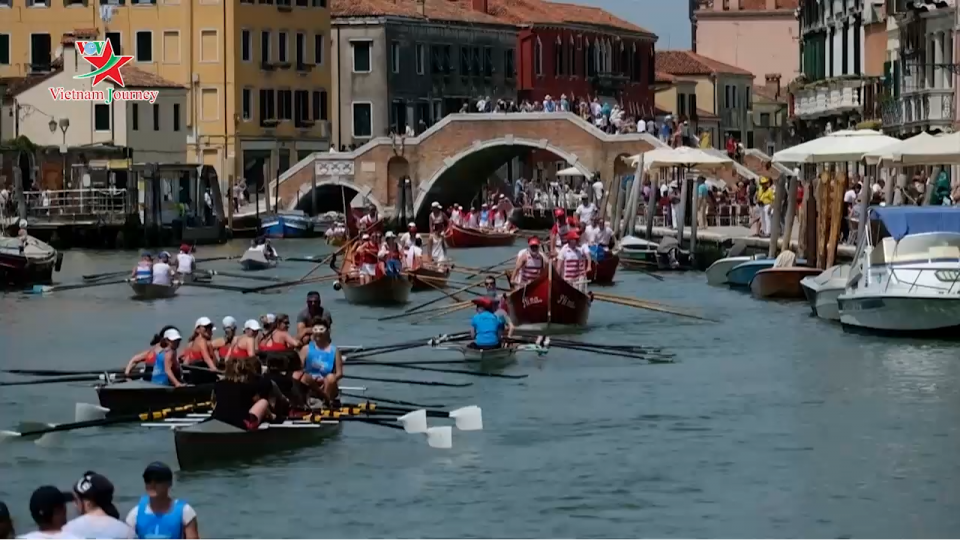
pixel 35 248
pixel 901 221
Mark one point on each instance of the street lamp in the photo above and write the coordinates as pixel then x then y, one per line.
pixel 64 125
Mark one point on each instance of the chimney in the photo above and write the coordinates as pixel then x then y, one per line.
pixel 734 5
pixel 422 8
pixel 480 6
pixel 771 5
pixel 68 52
pixel 773 83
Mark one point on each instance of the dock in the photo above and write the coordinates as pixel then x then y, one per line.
pixel 728 235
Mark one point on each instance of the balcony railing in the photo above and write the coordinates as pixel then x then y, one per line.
pixel 931 107
pixel 834 97
pixel 76 204
pixel 892 114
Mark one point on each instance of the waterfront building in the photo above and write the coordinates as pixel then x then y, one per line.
pixel 770 115
pixel 256 72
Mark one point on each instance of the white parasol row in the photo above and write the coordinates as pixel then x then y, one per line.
pixel 876 148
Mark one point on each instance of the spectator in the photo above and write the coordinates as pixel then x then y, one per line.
pixel 48 508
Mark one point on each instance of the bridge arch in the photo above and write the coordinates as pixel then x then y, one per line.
pixel 425 188
pixel 302 200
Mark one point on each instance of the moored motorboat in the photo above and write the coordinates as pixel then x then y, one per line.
pixel 428 278
pixel 742 274
pixel 638 250
pixel 781 282
pixel 603 271
pixel 717 272
pixel 153 291
pixel 823 290
pixel 548 300
pixel 256 259
pixel 462 237
pixel 135 397
pixel 287 224
pixel 32 266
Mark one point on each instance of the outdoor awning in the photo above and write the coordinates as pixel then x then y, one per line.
pixel 885 154
pixel 903 220
pixel 939 150
pixel 570 171
pixel 846 145
pixel 680 157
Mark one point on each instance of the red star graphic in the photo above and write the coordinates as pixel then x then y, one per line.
pixel 105 57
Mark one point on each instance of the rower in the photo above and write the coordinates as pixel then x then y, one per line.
pixel 276 337
pixel 143 272
pixel 586 210
pixel 199 350
pixel 499 302
pixel 486 327
pixel 561 226
pixel 242 395
pixel 390 255
pixel 286 374
pixel 313 310
pixel 406 239
pixel 186 263
pixel 593 237
pixel 437 219
pixel 473 219
pixel 484 222
pixel 413 258
pixel 367 254
pixel 367 222
pixel 530 263
pixel 162 273
pixel 573 261
pixel 157 515
pixel 456 214
pixel 149 356
pixel 166 370
pixel 224 345
pixel 246 345
pixel 322 360
pixel 437 248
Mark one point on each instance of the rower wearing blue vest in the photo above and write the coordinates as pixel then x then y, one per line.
pixel 143 273
pixel 158 515
pixel 486 326
pixel 323 362
pixel 166 368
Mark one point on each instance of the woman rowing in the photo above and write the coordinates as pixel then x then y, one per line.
pixel 246 344
pixel 199 351
pixel 323 362
pixel 149 356
pixel 226 344
pixel 276 337
pixel 166 371
pixel 242 395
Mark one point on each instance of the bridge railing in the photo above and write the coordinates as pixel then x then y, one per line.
pixel 724 215
pixel 76 203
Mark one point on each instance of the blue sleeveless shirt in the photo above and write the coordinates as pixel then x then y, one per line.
pixel 169 525
pixel 320 363
pixel 159 375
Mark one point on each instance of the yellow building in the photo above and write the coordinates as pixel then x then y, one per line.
pixel 258 71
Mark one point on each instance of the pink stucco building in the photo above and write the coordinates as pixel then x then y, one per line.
pixel 760 36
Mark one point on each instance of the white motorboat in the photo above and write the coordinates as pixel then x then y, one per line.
pixel 822 291
pixel 717 273
pixel 906 279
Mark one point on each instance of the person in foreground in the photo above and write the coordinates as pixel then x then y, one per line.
pixel 48 508
pixel 242 395
pixel 486 326
pixel 323 362
pixel 99 518
pixel 166 369
pixel 157 515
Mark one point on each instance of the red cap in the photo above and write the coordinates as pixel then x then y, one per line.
pixel 184 247
pixel 558 212
pixel 533 241
pixel 573 235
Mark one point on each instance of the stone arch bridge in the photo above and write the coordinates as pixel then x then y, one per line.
pixel 455 156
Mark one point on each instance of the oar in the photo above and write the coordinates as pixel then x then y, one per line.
pixel 641 304
pixel 608 352
pixel 310 259
pixel 422 342
pixel 440 370
pixel 143 417
pixel 394 401
pixel 613 347
pixel 94 277
pixel 60 372
pixel 478 271
pixel 217 287
pixel 409 381
pixel 416 309
pixel 42 289
pixel 245 276
pixel 77 378
pixel 427 280
pixel 636 267
pixel 265 288
pixel 452 309
pixel 333 255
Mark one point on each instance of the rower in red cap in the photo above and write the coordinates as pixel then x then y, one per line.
pixel 530 263
pixel 561 226
pixel 573 261
pixel 486 327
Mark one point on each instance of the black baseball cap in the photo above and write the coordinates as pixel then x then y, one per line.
pixel 157 472
pixel 97 489
pixel 45 501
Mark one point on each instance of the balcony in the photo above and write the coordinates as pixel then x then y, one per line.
pixel 931 108
pixel 828 98
pixel 609 81
pixel 892 114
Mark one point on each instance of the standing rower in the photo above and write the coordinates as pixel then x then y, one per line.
pixel 186 263
pixel 561 226
pixel 406 239
pixel 369 221
pixel 390 255
pixel 456 214
pixel 573 261
pixel 485 220
pixel 530 263
pixel 157 515
pixel 366 258
pixel 438 219
pixel 413 258
pixel 473 219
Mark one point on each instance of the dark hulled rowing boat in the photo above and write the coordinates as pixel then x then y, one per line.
pixel 462 237
pixel 381 291
pixel 437 278
pixel 548 300
pixel 136 397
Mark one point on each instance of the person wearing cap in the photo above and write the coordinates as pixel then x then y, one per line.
pixel 573 261
pixel 143 271
pixel 246 345
pixel 48 508
pixel 530 263
pixel 456 215
pixel 226 344
pixel 162 273
pixel 413 255
pixel 765 198
pixel 99 518
pixel 586 210
pixel 166 369
pixel 199 350
pixel 438 219
pixel 486 327
pixel 365 258
pixel 149 356
pixel 472 220
pixel 369 221
pixel 390 254
pixel 158 515
pixel 561 226
pixel 484 218
pixel 186 263
pixel 322 360
pixel 406 239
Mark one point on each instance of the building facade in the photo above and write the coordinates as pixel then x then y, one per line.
pixel 256 72
pixel 761 36
pixel 721 90
pixel 769 116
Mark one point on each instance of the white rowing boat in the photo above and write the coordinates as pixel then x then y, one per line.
pixel 492 357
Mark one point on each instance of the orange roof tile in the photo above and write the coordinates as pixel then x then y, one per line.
pixel 662 76
pixel 691 63
pixel 138 78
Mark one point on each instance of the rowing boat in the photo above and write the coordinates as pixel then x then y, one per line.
pixel 380 291
pixel 464 237
pixel 153 291
pixel 492 358
pixel 135 397
pixel 211 442
pixel 435 278
pixel 256 259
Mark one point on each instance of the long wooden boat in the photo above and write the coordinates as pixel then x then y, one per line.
pixel 461 237
pixel 437 278
pixel 382 291
pixel 548 300
pixel 136 397
pixel 781 282
pixel 150 291
pixel 213 442
pixel 604 271
pixel 255 259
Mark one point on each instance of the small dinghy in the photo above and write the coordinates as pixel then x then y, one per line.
pixel 256 259
pixel 152 291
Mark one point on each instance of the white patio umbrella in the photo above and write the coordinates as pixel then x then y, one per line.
pixel 939 150
pixel 885 154
pixel 570 171
pixel 846 145
pixel 680 157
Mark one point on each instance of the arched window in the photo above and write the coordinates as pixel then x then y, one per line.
pixel 597 57
pixel 608 61
pixel 589 68
pixel 572 59
pixel 558 64
pixel 538 58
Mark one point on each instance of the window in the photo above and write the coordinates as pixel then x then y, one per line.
pixel 318 49
pixel 487 62
pixel 267 104
pixel 301 48
pixel 144 48
pixel 40 53
pixel 246 44
pixel 361 56
pixel 282 47
pixel 101 117
pixel 176 117
pixel 319 104
pixel 362 120
pixel 209 104
pixel 170 41
pixel 571 59
pixel 115 44
pixel 765 119
pixel 135 116
pixel 265 47
pixel 421 54
pixel 209 46
pixel 558 63
pixel 245 97
pixel 302 3
pixel 395 56
pixel 4 49
pixel 509 71
pixel 284 105
pixel 538 58
pixel 320 3
pixel 464 60
pixel 156 117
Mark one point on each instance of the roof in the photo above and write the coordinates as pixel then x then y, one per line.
pixel 665 77
pixel 132 78
pixel 691 63
pixel 706 115
pixel 499 12
pixel 769 94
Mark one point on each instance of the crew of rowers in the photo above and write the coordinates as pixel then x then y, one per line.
pixel 495 217
pixel 389 255
pixel 161 271
pixel 263 245
pixel 268 368
pixel 576 244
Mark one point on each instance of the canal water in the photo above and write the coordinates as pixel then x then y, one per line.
pixel 771 423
